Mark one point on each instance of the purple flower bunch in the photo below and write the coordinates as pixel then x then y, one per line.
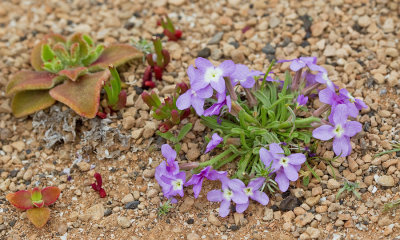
pixel 234 190
pixel 285 167
pixel 206 78
pixel 342 105
pixel 172 180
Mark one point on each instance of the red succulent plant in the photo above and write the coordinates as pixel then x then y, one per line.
pixel 35 201
pixel 72 71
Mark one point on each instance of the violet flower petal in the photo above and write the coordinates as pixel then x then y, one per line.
pixel 291 172
pixel 324 132
pixel 215 140
pixel 342 146
pixel 260 197
pixel 242 207
pixel 351 128
pixel 282 180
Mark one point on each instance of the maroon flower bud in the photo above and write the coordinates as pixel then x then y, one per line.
pixel 169 102
pixel 147 99
pixel 178 34
pixel 164 127
pixel 158 71
pixel 175 118
pixel 185 113
pixel 181 88
pixel 101 115
pixel 149 84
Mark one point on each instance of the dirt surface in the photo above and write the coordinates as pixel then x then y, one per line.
pixel 357 41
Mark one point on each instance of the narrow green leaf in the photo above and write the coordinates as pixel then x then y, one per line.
pixel 185 129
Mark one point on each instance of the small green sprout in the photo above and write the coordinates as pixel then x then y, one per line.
pixel 349 187
pixel 164 208
pixel 391 205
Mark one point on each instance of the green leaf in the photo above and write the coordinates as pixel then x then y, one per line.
pixel 306 180
pixel 313 172
pixel 167 135
pixel 185 129
pixel 177 147
pixel 47 53
pixel 88 40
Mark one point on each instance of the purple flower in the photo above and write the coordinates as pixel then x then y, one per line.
pixel 330 97
pixel 243 76
pixel 301 100
pixel 252 192
pixel 197 179
pixel 341 131
pixel 303 62
pixel 174 185
pixel 231 190
pixel 358 102
pixel 215 140
pixel 222 100
pixel 194 96
pixel 167 174
pixel 286 167
pixel 209 75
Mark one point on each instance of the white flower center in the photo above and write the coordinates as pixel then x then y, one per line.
pixel 212 74
pixel 284 161
pixel 338 130
pixel 328 81
pixel 228 194
pixel 194 93
pixel 351 98
pixel 177 184
pixel 248 191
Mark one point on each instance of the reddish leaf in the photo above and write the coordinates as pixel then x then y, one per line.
pixel 38 216
pixel 116 55
pixel 36 58
pixel 27 102
pixel 29 80
pixel 20 199
pixel 50 195
pixel 73 73
pixel 83 95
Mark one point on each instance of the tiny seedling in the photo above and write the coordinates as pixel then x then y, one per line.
pixel 35 201
pixel 164 208
pixel 169 29
pixel 349 187
pixel 166 111
pixel 391 205
pixel 175 140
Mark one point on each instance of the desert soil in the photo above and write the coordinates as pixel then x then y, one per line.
pixel 357 41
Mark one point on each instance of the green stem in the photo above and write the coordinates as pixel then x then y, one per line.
pixel 225 161
pixel 266 74
pixel 298 123
pixel 243 165
pixel 215 159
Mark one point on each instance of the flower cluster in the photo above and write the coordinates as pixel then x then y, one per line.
pixel 265 127
pixel 172 181
pixel 206 78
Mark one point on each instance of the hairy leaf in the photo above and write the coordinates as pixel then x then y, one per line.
pixel 73 73
pixel 20 199
pixel 50 195
pixel 116 55
pixel 29 80
pixel 27 102
pixel 38 216
pixel 83 95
